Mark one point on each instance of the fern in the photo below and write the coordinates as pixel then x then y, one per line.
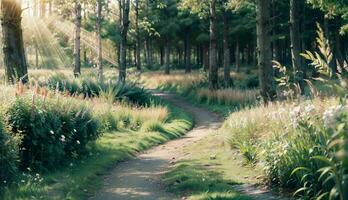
pixel 321 61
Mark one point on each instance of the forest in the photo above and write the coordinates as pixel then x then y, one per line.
pixel 174 99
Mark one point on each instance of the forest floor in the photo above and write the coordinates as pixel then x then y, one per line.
pixel 142 177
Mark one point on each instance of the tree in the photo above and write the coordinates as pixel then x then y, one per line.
pixel 99 39
pixel 227 68
pixel 77 45
pixel 296 42
pixel 16 68
pixel 124 7
pixel 264 57
pixel 137 32
pixel 213 67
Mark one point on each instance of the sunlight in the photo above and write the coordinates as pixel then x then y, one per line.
pixel 87 38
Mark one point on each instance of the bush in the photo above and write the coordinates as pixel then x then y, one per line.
pixel 251 82
pixel 88 87
pixel 8 157
pixel 314 158
pixel 51 132
pixel 153 126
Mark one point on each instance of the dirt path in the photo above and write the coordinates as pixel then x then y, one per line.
pixel 139 178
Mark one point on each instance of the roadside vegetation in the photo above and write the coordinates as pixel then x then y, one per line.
pixel 297 144
pixel 57 144
pixel 75 94
pixel 194 87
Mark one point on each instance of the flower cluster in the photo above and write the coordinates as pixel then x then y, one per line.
pixel 300 113
pixel 331 115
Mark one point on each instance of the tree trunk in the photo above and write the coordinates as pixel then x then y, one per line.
pixel 167 57
pixel 36 56
pixel 77 49
pixel 206 57
pixel 138 58
pixel 227 69
pixel 43 8
pixel 123 45
pixel 99 39
pixel 35 10
pixel 16 67
pixel 187 51
pixel 50 8
pixel 237 54
pixel 148 52
pixel 162 55
pixel 85 59
pixel 213 67
pixel 296 42
pixel 264 52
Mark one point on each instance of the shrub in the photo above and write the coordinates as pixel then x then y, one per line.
pixel 8 157
pixel 153 126
pixel 252 82
pixel 312 159
pixel 51 131
pixel 90 87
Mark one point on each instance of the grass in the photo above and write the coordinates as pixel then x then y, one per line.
pixel 128 129
pixel 84 177
pixel 210 171
pixel 194 87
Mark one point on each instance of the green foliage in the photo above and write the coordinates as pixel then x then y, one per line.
pixel 200 183
pixel 89 87
pixel 328 178
pixel 151 126
pixel 126 92
pixel 51 132
pixel 247 149
pixel 8 157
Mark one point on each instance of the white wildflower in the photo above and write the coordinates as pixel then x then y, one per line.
pixel 52 132
pixel 62 138
pixel 295 115
pixel 78 142
pixel 331 115
pixel 309 108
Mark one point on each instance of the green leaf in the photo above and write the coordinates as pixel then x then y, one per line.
pixel 300 169
pixel 322 196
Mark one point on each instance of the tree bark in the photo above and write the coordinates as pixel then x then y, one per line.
pixel 227 62
pixel 138 58
pixel 36 56
pixel 123 45
pixel 43 8
pixel 99 40
pixel 16 67
pixel 148 52
pixel 167 57
pixel 161 55
pixel 35 10
pixel 206 57
pixel 213 67
pixel 296 42
pixel 264 52
pixel 50 8
pixel 237 54
pixel 77 49
pixel 187 51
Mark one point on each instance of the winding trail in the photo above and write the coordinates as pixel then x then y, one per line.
pixel 139 178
